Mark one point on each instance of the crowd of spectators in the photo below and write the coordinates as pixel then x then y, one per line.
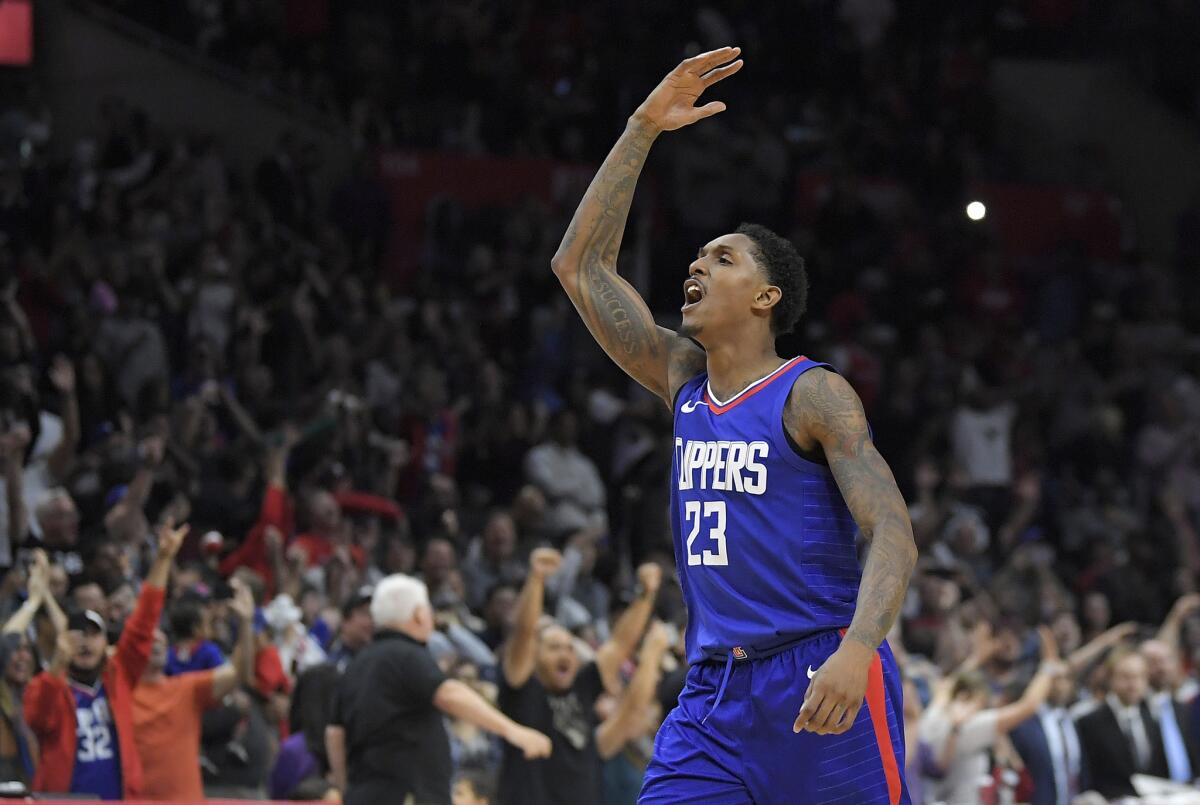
pixel 494 62
pixel 183 344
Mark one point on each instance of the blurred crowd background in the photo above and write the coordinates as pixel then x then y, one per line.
pixel 183 340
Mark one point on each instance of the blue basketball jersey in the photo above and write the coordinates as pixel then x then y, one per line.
pixel 97 753
pixel 764 542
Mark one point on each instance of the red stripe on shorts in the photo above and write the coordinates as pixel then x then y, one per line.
pixel 877 707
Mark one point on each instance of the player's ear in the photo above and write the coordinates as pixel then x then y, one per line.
pixel 767 297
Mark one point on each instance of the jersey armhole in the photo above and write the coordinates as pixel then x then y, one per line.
pixel 678 391
pixel 675 396
pixel 787 447
pixel 807 456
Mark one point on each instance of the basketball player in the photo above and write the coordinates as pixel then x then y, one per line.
pixel 792 696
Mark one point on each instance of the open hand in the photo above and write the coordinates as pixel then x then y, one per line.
pixel 672 103
pixel 837 691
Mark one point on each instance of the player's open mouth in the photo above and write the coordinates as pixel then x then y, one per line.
pixel 693 292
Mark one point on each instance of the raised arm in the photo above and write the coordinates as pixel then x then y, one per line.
pixel 62 457
pixel 823 411
pixel 241 417
pixel 129 512
pixel 1172 625
pixel 12 454
pixel 240 671
pixel 586 260
pixel 628 629
pixel 630 717
pixel 38 587
pixel 10 305
pixel 520 652
pixel 1089 652
pixel 137 637
pixel 254 552
pixel 1010 715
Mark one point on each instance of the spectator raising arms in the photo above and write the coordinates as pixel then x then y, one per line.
pixel 167 710
pixel 81 710
pixel 546 685
pixel 334 382
pixel 961 727
pixel 17 743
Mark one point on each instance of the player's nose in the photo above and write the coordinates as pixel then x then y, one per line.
pixel 696 268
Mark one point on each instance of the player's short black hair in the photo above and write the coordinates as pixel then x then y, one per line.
pixel 785 270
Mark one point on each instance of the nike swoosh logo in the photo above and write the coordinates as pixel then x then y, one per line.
pixel 811 672
pixel 689 406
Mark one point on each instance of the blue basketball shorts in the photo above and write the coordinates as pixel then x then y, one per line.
pixel 743 750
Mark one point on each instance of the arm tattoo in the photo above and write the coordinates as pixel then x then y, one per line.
pixel 614 313
pixel 824 407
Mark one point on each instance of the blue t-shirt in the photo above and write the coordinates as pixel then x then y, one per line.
pixel 321 632
pixel 205 656
pixel 97 754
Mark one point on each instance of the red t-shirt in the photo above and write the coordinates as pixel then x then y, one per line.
pixel 320 549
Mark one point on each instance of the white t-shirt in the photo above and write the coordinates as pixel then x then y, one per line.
pixel 960 785
pixel 573 485
pixel 982 443
pixel 36 482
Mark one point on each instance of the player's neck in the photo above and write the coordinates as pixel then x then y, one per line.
pixel 732 367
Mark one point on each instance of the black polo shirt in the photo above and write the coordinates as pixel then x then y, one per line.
pixel 394 735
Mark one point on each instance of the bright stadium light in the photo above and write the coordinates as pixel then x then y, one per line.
pixel 976 210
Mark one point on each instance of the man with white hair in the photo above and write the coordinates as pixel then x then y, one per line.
pixel 1170 689
pixel 386 739
pixel 57 519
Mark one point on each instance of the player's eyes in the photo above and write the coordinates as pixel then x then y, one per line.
pixel 724 261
